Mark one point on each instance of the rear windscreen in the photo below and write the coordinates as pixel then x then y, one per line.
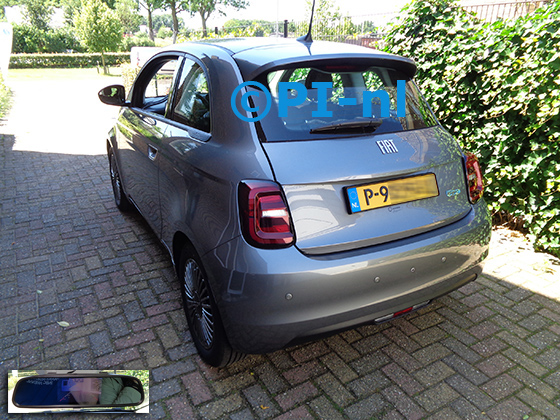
pixel 342 100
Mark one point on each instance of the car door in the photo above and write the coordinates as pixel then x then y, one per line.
pixel 141 129
pixel 191 191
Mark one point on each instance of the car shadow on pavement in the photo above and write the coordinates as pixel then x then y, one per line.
pixel 89 287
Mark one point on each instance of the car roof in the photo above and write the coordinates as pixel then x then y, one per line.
pixel 259 54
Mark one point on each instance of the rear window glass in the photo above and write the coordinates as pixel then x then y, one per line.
pixel 344 103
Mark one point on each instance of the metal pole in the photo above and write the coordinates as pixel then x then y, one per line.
pixel 285 28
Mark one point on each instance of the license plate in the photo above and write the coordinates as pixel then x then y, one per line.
pixel 389 193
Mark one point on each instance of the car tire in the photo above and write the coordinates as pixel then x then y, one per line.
pixel 121 200
pixel 203 317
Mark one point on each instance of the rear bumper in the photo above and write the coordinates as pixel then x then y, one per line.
pixel 271 298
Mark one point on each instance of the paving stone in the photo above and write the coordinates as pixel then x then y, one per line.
pixel 466 410
pixel 501 387
pixel 260 402
pixel 510 409
pixel 524 361
pixel 336 392
pixel 401 339
pixel 296 414
pixel 534 383
pixel 461 350
pixel 339 368
pixel 242 415
pixel 219 408
pixel 373 382
pixel 100 343
pixel 495 365
pixel 457 333
pixel 197 388
pixel 344 350
pixel 543 339
pixel 538 403
pixel 437 397
pixel 324 409
pixel 303 372
pixel 431 353
pixel 179 408
pixel 296 395
pixel 118 326
pixel 368 408
pixel 433 374
pixel 402 379
pixel 274 382
pixel 370 362
pixel 164 390
pixel 404 404
pixel 170 371
pixel 472 393
pixel 489 346
pixel 226 385
pixel 468 371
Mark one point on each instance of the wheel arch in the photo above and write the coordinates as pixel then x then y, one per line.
pixel 180 240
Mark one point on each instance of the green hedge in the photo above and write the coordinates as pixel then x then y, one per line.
pixel 29 39
pixel 496 87
pixel 27 61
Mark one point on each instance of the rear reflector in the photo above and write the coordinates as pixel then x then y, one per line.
pixel 401 312
pixel 265 219
pixel 474 177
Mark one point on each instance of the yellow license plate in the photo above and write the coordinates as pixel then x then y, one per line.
pixel 388 193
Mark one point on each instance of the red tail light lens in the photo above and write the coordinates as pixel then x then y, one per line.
pixel 474 177
pixel 265 218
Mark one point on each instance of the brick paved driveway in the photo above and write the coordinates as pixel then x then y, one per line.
pixel 489 350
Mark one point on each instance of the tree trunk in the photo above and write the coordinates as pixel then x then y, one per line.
pixel 150 25
pixel 204 33
pixel 175 21
pixel 105 70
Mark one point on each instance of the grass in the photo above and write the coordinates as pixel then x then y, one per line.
pixel 61 74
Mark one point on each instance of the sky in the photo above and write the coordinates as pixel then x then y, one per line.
pixel 378 11
pixel 272 10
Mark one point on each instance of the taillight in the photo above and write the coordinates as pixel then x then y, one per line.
pixel 265 219
pixel 474 177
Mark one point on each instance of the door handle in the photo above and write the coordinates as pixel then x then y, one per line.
pixel 152 152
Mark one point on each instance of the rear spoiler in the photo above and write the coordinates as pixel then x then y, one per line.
pixel 405 65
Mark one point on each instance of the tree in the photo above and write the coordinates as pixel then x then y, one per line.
pixel 38 13
pixel 206 7
pixel 328 22
pixel 165 21
pixel 127 12
pixel 99 28
pixel 176 6
pixel 71 8
pixel 151 6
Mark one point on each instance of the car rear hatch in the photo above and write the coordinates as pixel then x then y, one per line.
pixel 318 178
pixel 357 170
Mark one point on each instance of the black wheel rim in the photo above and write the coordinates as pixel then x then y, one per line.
pixel 115 180
pixel 199 309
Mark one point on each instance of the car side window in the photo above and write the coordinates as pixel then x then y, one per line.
pixel 159 85
pixel 193 105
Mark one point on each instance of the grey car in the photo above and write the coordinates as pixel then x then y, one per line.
pixel 346 204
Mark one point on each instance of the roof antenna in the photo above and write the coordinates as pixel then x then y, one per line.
pixel 306 39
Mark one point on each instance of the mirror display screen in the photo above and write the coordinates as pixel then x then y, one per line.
pixel 78 391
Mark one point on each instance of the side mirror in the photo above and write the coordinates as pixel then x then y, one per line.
pixel 52 391
pixel 113 95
